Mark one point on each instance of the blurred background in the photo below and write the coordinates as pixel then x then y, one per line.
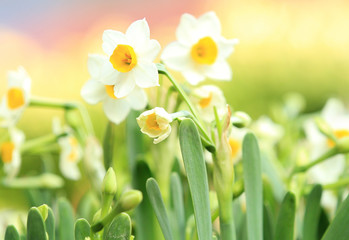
pixel 285 46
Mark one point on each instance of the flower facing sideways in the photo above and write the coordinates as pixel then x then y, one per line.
pixel 95 91
pixel 200 51
pixel 155 123
pixel 10 152
pixel 206 98
pixel 129 61
pixel 16 97
pixel 71 152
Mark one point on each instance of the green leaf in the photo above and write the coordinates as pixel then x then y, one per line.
pixel 268 226
pixel 251 161
pixel 195 167
pixel 119 229
pixel 285 223
pixel 312 214
pixel 11 233
pixel 50 224
pixel 66 219
pixel 35 225
pixel 108 145
pixel 82 229
pixel 144 215
pixel 159 207
pixel 324 222
pixel 338 229
pixel 178 206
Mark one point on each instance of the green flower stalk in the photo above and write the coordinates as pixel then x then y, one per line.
pixel 223 179
pixel 128 201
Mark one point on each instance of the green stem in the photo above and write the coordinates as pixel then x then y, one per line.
pixel 41 141
pixel 226 219
pixel 340 183
pixel 35 102
pixel 325 156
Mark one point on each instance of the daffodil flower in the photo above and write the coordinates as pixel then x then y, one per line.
pixel 11 154
pixel 337 117
pixel 129 61
pixel 16 97
pixel 200 51
pixel 267 131
pixel 206 98
pixel 71 152
pixel 94 91
pixel 155 123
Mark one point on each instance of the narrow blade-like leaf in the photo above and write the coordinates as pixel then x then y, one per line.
pixel 35 225
pixel 312 214
pixel 11 233
pixel 285 223
pixel 195 167
pixel 66 219
pixel 178 206
pixel 251 161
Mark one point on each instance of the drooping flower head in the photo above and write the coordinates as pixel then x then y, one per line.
pixel 200 51
pixel 16 97
pixel 10 152
pixel 129 61
pixel 155 123
pixel 94 91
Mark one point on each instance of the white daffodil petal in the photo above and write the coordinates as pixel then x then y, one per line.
pixel 108 74
pixel 94 65
pixel 193 77
pixel 146 75
pixel 150 51
pixel 163 136
pixel 116 109
pixel 93 91
pixel 69 170
pixel 226 47
pixel 124 85
pixel 111 39
pixel 186 30
pixel 177 57
pixel 210 24
pixel 137 99
pixel 138 34
pixel 220 70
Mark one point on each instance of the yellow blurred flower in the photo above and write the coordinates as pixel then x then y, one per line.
pixel 200 51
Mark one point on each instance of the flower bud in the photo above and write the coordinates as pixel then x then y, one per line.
pixel 43 209
pixel 130 200
pixel 241 119
pixel 155 123
pixel 109 185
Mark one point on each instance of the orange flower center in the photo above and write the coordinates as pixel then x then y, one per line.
pixel 110 91
pixel 341 133
pixel 123 58
pixel 15 98
pixel 152 123
pixel 234 146
pixel 7 151
pixel 73 155
pixel 205 51
pixel 204 102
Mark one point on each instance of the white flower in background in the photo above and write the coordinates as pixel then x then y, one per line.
pixel 16 97
pixel 236 138
pixel 93 161
pixel 268 131
pixel 200 51
pixel 205 98
pixel 129 60
pixel 71 151
pixel 337 117
pixel 95 91
pixel 11 154
pixel 155 123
